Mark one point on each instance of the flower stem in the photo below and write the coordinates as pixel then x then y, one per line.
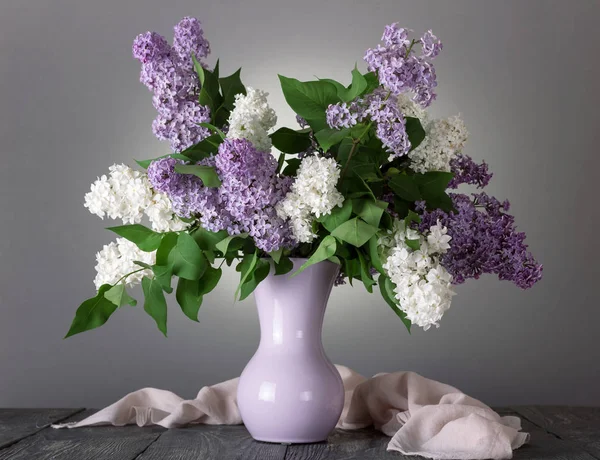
pixel 355 143
pixel 128 274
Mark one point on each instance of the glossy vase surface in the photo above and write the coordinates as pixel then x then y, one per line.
pixel 290 392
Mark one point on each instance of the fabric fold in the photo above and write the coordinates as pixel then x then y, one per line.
pixel 422 416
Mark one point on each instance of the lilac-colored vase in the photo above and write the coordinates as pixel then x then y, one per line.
pixel 290 392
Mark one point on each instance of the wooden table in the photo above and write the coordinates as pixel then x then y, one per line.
pixel 556 433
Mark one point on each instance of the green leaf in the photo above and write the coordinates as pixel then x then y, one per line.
pixel 210 279
pixel 370 211
pixel 355 231
pixel 433 182
pixel 92 313
pixel 167 244
pixel 284 266
pixel 163 274
pixel 357 87
pixel 341 89
pixel 351 269
pixel 260 272
pixel 292 167
pixel 325 250
pixel 309 99
pixel 213 128
pixel 372 81
pixel 365 274
pixel 387 222
pixel 189 297
pixel 203 149
pixel 206 173
pixel 145 163
pixel 208 240
pixel 328 137
pixel 223 245
pixel 335 260
pixel 401 207
pixel 154 303
pixel 287 140
pixel 413 244
pixel 230 86
pixel 374 254
pixel 199 69
pixel 246 267
pixel 412 217
pixel 276 255
pixel 338 216
pixel 387 292
pixel 118 295
pixel 441 201
pixel 209 92
pixel 188 260
pixel 145 239
pixel 433 187
pixel 359 130
pixel 406 187
pixel 414 131
pixel 142 264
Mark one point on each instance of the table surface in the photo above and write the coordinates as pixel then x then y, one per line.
pixel 556 433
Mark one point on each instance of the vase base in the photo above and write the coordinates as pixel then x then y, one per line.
pixel 286 441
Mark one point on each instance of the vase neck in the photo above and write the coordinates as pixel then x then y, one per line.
pixel 291 309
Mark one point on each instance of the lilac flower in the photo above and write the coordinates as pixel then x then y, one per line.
pixel 189 40
pixel 168 72
pixel 178 124
pixel 394 35
pixel 484 240
pixel 150 47
pixel 339 116
pixel 431 45
pixel 301 122
pixel 466 171
pixel 187 193
pixel 381 108
pixel 250 189
pixel 245 201
pixel 399 71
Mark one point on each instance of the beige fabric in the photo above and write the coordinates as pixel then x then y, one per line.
pixel 422 416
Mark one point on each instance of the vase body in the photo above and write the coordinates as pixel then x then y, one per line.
pixel 290 392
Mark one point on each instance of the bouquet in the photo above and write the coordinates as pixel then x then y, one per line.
pixel 368 181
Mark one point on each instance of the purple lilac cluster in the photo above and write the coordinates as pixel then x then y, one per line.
pixel 168 72
pixel 400 70
pixel 380 107
pixel 245 201
pixel 466 171
pixel 188 195
pixel 484 240
pixel 339 116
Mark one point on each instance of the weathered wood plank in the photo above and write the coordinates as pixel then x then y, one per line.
pixel 367 444
pixel 211 443
pixel 90 443
pixel 545 446
pixel 560 433
pixel 578 424
pixel 17 424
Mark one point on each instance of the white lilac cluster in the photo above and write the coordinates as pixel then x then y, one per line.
pixel 312 195
pixel 423 287
pixel 410 108
pixel 252 118
pixel 116 260
pixel 126 194
pixel 161 216
pixel 445 140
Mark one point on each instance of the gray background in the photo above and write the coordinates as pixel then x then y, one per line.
pixel 524 76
